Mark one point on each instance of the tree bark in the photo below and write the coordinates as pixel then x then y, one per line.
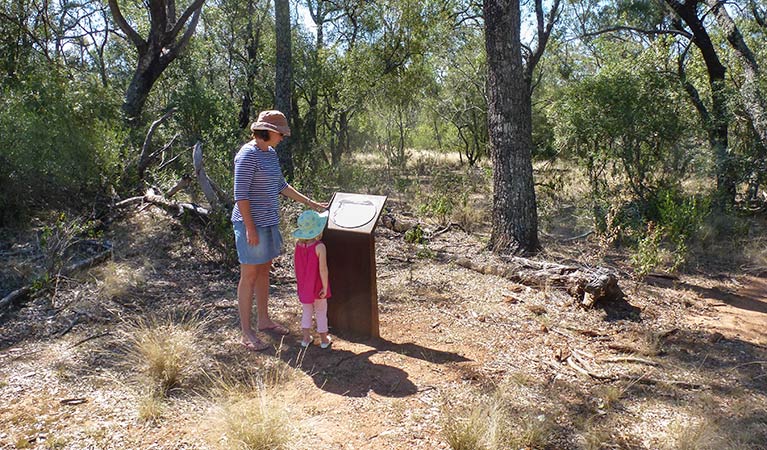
pixel 586 285
pixel 283 84
pixel 515 216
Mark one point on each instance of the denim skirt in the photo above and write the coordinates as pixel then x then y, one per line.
pixel 269 244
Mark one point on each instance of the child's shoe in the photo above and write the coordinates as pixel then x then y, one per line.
pixel 326 344
pixel 306 344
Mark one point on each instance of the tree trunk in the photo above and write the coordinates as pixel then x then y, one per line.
pixel 515 217
pixel 253 41
pixel 716 122
pixel 147 72
pixel 310 124
pixel 283 84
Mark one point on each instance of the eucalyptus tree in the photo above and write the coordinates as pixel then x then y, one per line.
pixel 693 23
pixel 69 35
pixel 690 23
pixel 283 80
pixel 168 34
pixel 510 81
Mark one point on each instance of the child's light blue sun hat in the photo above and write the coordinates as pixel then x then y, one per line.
pixel 310 224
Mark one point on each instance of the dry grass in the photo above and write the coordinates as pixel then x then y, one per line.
pixel 496 423
pixel 164 351
pixel 475 428
pixel 248 418
pixel 701 435
pixel 150 406
pixel 118 280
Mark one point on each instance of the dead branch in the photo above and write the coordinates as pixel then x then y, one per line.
pixel 18 294
pixel 580 236
pixel 144 159
pixel 202 177
pixel 588 285
pixel 129 201
pixel 633 359
pixel 173 207
pixel 572 362
pixel 657 381
pixel 23 292
pixel 399 225
pixel 89 338
pixel 168 162
pixel 184 182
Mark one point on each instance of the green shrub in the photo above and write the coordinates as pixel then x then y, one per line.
pixel 58 143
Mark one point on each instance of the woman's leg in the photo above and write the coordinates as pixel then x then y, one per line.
pixel 261 279
pixel 245 290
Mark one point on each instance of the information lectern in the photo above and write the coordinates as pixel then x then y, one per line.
pixel 348 237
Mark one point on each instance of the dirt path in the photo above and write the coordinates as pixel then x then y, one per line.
pixel 737 309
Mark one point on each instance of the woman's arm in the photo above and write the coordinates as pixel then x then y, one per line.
pixel 293 194
pixel 245 166
pixel 323 260
pixel 247 220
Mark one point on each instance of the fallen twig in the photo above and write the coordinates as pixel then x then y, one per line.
pixel 89 338
pixel 571 361
pixel 618 359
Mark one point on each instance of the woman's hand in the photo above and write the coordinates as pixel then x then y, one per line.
pixel 319 207
pixel 252 236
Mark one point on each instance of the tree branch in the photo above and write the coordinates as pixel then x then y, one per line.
pixel 132 34
pixel 143 160
pixel 195 9
pixel 637 30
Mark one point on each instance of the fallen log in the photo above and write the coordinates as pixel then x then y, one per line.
pixel 175 208
pixel 21 293
pixel 587 285
pixel 398 224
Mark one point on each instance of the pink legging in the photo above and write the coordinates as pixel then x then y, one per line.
pixel 320 310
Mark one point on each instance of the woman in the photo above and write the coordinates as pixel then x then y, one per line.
pixel 256 216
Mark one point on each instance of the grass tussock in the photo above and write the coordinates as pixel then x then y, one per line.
pixel 166 352
pixel 248 418
pixel 701 435
pixel 493 423
pixel 150 406
pixel 118 280
pixel 475 428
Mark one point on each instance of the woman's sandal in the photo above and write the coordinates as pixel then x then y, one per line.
pixel 275 328
pixel 256 346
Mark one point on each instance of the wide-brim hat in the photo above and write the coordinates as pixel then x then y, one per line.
pixel 310 224
pixel 271 120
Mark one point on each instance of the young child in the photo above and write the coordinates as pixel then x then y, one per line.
pixel 312 275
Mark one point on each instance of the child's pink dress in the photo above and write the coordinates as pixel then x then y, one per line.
pixel 307 266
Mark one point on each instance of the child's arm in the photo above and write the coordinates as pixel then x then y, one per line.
pixel 323 259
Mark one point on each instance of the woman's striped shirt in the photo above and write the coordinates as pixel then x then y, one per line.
pixel 258 178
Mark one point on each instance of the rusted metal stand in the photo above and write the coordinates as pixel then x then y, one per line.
pixel 352 264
